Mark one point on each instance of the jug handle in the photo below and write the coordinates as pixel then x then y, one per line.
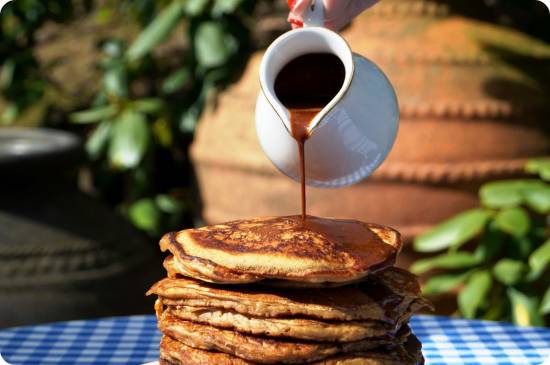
pixel 315 14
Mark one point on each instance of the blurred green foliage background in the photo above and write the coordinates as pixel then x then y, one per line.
pixel 138 107
pixel 498 255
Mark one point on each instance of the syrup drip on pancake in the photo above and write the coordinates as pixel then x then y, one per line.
pixel 305 86
pixel 342 241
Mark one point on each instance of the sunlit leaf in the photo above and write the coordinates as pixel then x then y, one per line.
pixel 506 193
pixel 145 215
pixel 176 80
pixel 157 31
pixel 539 166
pixel 474 293
pixel 148 105
pixel 538 199
pixel 6 73
pixel 539 260
pixel 514 221
pixel 116 82
pixel 525 308
pixel 10 113
pixel 545 304
pixel 195 7
pixel 168 203
pixel 225 6
pixel 97 141
pixel 451 260
pixel 441 284
pixel 94 115
pixel 454 231
pixel 509 272
pixel 129 139
pixel 213 45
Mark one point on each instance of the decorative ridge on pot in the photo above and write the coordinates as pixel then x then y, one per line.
pixel 435 173
pixel 410 8
pixel 472 110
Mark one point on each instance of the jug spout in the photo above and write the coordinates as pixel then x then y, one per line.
pixel 296 43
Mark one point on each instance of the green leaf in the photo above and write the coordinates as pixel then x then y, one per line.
pixel 213 45
pixel 540 259
pixel 539 166
pixel 514 221
pixel 148 105
pixel 115 81
pixel 163 132
pixel 10 112
pixel 145 215
pixel 129 140
pixel 444 283
pixel 451 260
pixel 157 31
pixel 94 115
pixel 506 193
pixel 474 293
pixel 509 272
pixel 195 7
pixel 176 80
pixel 525 308
pixel 168 203
pixel 453 232
pixel 7 73
pixel 97 141
pixel 538 199
pixel 225 6
pixel 545 303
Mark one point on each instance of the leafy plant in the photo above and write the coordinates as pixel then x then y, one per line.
pixel 132 131
pixel 21 82
pixel 506 274
pixel 139 125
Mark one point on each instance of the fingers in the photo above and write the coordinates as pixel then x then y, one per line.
pixel 297 8
pixel 338 13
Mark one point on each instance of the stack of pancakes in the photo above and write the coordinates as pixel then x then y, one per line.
pixel 278 290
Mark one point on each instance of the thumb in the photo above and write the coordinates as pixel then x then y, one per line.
pixel 297 9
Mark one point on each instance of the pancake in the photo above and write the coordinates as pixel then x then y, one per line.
pixel 284 248
pixel 173 352
pixel 298 328
pixel 390 297
pixel 174 270
pixel 263 349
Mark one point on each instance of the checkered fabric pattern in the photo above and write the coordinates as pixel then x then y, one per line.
pixel 134 340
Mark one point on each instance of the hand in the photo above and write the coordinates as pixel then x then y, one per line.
pixel 338 13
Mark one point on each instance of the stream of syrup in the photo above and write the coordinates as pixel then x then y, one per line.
pixel 305 86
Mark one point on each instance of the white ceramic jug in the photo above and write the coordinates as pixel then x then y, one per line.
pixel 352 135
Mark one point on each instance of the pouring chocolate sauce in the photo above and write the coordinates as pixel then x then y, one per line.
pixel 304 86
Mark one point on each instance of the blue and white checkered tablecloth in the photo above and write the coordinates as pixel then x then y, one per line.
pixel 134 340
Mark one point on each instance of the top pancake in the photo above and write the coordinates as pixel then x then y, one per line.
pixel 283 248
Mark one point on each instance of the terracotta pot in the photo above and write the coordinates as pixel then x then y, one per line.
pixel 472 109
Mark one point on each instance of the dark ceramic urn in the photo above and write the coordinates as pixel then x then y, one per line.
pixel 63 254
